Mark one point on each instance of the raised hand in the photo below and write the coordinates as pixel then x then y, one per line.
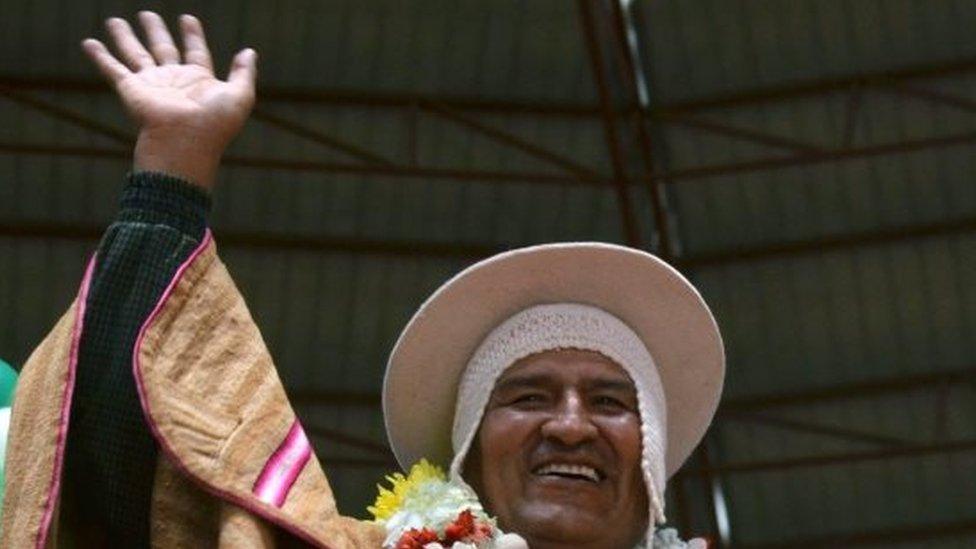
pixel 186 115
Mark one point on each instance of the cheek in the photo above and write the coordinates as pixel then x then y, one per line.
pixel 625 435
pixel 495 436
pixel 498 449
pixel 502 437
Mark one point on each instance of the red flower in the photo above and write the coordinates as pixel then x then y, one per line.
pixel 482 532
pixel 461 528
pixel 465 529
pixel 416 539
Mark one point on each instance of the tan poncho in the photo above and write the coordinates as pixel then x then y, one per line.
pixel 234 467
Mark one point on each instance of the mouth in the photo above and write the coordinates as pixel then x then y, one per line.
pixel 570 471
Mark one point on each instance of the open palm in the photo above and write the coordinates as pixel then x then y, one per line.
pixel 183 94
pixel 175 99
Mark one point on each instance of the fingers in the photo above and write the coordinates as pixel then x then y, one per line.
pixel 160 41
pixel 195 48
pixel 110 67
pixel 164 51
pixel 243 72
pixel 128 45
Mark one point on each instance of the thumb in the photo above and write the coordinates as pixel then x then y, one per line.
pixel 244 71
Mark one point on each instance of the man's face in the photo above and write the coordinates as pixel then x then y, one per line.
pixel 557 457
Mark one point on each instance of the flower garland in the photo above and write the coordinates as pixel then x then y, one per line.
pixel 423 510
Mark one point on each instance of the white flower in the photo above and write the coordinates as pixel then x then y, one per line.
pixel 510 541
pixel 667 538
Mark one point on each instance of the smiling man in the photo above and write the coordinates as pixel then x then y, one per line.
pixel 564 383
pixel 558 454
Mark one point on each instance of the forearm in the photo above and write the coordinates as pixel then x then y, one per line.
pixel 110 450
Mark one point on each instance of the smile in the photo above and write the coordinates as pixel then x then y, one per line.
pixel 569 471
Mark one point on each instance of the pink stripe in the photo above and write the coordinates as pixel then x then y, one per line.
pixel 249 504
pixel 69 387
pixel 283 468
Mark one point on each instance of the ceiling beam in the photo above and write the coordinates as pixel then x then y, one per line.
pixel 827 460
pixel 598 68
pixel 814 428
pixel 472 251
pixel 671 177
pixel 403 99
pixel 827 243
pixel 853 390
pixel 885 537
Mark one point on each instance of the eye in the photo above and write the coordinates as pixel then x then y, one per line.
pixel 528 399
pixel 607 402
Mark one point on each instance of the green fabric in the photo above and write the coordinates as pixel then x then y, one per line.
pixel 8 382
pixel 110 458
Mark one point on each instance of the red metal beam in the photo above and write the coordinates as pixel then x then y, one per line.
pixel 88 123
pixel 655 188
pixel 885 537
pixel 852 107
pixel 276 242
pixel 828 243
pixel 61 113
pixel 438 108
pixel 808 88
pixel 620 179
pixel 477 250
pixel 851 391
pixel 410 172
pixel 744 134
pixel 809 427
pixel 369 99
pixel 510 140
pixel 672 177
pixel 341 437
pixel 932 96
pixel 776 163
pixel 805 462
pixel 402 100
pixel 315 136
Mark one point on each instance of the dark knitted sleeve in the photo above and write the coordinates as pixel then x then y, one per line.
pixel 110 455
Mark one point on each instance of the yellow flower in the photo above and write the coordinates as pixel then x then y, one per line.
pixel 389 500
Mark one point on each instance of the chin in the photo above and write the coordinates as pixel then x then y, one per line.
pixel 555 521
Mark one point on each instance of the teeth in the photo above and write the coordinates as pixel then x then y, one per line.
pixel 588 473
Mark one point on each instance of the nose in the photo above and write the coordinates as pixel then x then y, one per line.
pixel 570 423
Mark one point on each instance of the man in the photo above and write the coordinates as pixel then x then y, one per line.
pixel 152 414
pixel 564 383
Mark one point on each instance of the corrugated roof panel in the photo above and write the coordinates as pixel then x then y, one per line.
pixel 791 322
pixel 712 47
pixel 844 316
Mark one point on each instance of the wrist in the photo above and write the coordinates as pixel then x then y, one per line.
pixel 180 155
pixel 162 199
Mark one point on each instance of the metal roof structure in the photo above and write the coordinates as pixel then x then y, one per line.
pixel 808 163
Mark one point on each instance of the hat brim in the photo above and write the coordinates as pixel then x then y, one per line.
pixel 655 300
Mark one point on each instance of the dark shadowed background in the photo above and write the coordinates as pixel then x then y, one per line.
pixel 808 163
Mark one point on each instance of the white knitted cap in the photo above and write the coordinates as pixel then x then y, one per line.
pixel 567 326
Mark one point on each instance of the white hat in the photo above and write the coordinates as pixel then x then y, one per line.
pixel 649 296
